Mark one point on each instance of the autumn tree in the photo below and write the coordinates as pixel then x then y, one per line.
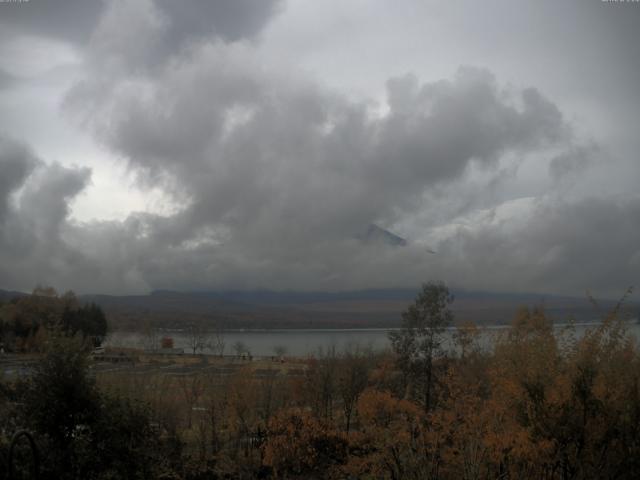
pixel 466 338
pixel 150 340
pixel 217 341
pixel 191 386
pixel 240 348
pixel 25 319
pixel 320 383
pixel 352 380
pixel 242 411
pixel 419 340
pixel 392 442
pixel 216 401
pixel 299 445
pixel 197 338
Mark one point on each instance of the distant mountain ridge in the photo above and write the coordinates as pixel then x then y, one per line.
pixel 273 297
pixel 320 309
pixel 6 295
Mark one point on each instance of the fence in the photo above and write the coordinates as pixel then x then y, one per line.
pixel 10 468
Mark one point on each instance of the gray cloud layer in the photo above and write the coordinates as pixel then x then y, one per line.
pixel 273 175
pixel 76 20
pixel 34 202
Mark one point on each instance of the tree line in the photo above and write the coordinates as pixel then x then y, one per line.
pixel 26 321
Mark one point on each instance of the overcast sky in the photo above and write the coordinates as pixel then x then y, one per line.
pixel 236 144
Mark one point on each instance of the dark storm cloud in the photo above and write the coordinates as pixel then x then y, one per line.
pixel 16 163
pixel 256 153
pixel 75 20
pixel 34 202
pixel 561 246
pixel 573 161
pixel 434 131
pixel 273 175
pixel 141 36
pixel 70 20
pixel 229 19
pixel 556 246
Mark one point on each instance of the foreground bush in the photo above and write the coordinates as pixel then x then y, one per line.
pixel 82 432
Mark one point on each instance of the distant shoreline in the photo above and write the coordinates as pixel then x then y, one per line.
pixel 360 329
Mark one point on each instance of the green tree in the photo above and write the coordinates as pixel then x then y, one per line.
pixel 419 340
pixel 83 432
pixel 59 399
pixel 89 320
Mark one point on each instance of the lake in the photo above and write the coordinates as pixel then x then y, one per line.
pixel 301 342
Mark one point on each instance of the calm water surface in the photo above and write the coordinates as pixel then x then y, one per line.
pixel 311 342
